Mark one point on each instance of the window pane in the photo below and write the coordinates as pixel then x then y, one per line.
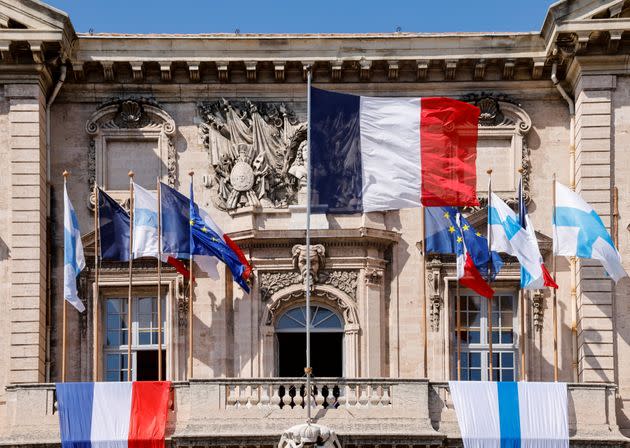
pixel 145 338
pixel 474 337
pixel 507 360
pixel 113 338
pixel 507 375
pixel 475 375
pixel 475 359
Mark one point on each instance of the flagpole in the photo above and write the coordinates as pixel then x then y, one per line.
pixel 64 318
pixel 553 291
pixel 130 291
pixel 95 290
pixel 308 369
pixel 459 332
pixel 190 304
pixel 425 342
pixel 521 294
pixel 490 276
pixel 159 276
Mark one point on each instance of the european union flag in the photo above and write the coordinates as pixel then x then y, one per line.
pixel 477 247
pixel 113 229
pixel 441 230
pixel 205 241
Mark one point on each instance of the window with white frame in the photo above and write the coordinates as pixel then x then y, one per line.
pixel 475 336
pixel 144 339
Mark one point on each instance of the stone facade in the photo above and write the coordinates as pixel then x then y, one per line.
pixel 232 109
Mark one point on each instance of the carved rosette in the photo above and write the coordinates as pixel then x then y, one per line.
pixel 256 151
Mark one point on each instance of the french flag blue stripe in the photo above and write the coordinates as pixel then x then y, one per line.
pixel 336 150
pixel 509 417
pixel 75 414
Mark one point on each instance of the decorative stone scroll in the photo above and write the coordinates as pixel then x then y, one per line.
pixel 503 129
pixel 137 128
pixel 256 152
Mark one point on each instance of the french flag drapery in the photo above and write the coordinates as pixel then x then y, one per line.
pixel 118 415
pixel 380 153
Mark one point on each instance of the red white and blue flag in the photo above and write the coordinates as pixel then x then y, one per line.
pixel 119 415
pixel 379 153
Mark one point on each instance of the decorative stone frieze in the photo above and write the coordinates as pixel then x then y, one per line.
pixel 256 151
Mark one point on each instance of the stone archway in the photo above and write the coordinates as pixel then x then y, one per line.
pixel 323 294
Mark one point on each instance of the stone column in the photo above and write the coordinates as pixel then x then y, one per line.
pixel 593 95
pixel 373 326
pixel 27 145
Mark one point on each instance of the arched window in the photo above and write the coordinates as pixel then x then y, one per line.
pixel 322 320
pixel 326 342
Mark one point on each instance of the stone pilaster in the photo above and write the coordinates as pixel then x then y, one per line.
pixel 27 145
pixel 593 95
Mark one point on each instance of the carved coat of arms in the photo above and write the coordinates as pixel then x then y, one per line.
pixel 257 153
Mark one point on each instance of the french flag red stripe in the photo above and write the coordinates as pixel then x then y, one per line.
pixel 149 404
pixel 448 148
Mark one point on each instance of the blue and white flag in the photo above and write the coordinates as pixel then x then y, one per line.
pixel 511 415
pixel 578 231
pixel 145 223
pixel 508 236
pixel 73 258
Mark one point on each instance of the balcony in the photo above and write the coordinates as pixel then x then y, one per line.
pixel 255 412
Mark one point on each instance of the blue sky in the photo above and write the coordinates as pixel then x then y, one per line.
pixel 319 16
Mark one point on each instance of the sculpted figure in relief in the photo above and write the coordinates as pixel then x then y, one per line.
pixel 256 153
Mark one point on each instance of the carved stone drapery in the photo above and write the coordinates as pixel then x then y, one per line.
pixel 434 268
pixel 502 118
pixel 257 153
pixel 130 120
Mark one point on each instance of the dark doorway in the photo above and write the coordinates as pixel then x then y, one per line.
pixel 147 364
pixel 326 354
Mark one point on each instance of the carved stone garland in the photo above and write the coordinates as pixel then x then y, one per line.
pixel 256 153
pixel 120 115
pixel 434 268
pixel 538 304
pixel 344 280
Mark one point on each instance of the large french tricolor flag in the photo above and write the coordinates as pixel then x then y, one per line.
pixel 381 153
pixel 118 415
pixel 511 415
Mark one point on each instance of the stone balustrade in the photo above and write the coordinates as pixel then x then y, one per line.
pixel 255 412
pixel 290 393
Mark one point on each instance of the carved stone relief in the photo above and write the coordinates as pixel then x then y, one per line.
pixel 317 255
pixel 256 152
pixel 538 303
pixel 133 123
pixel 344 280
pixel 434 276
pixel 374 276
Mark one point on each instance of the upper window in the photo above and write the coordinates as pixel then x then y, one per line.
pixel 474 333
pixel 144 339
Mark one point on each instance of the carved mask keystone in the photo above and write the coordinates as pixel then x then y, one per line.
pixel 317 256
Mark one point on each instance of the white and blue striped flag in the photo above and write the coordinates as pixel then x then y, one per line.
pixel 578 231
pixel 508 236
pixel 511 415
pixel 73 258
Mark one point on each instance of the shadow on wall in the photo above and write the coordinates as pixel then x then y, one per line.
pixel 4 250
